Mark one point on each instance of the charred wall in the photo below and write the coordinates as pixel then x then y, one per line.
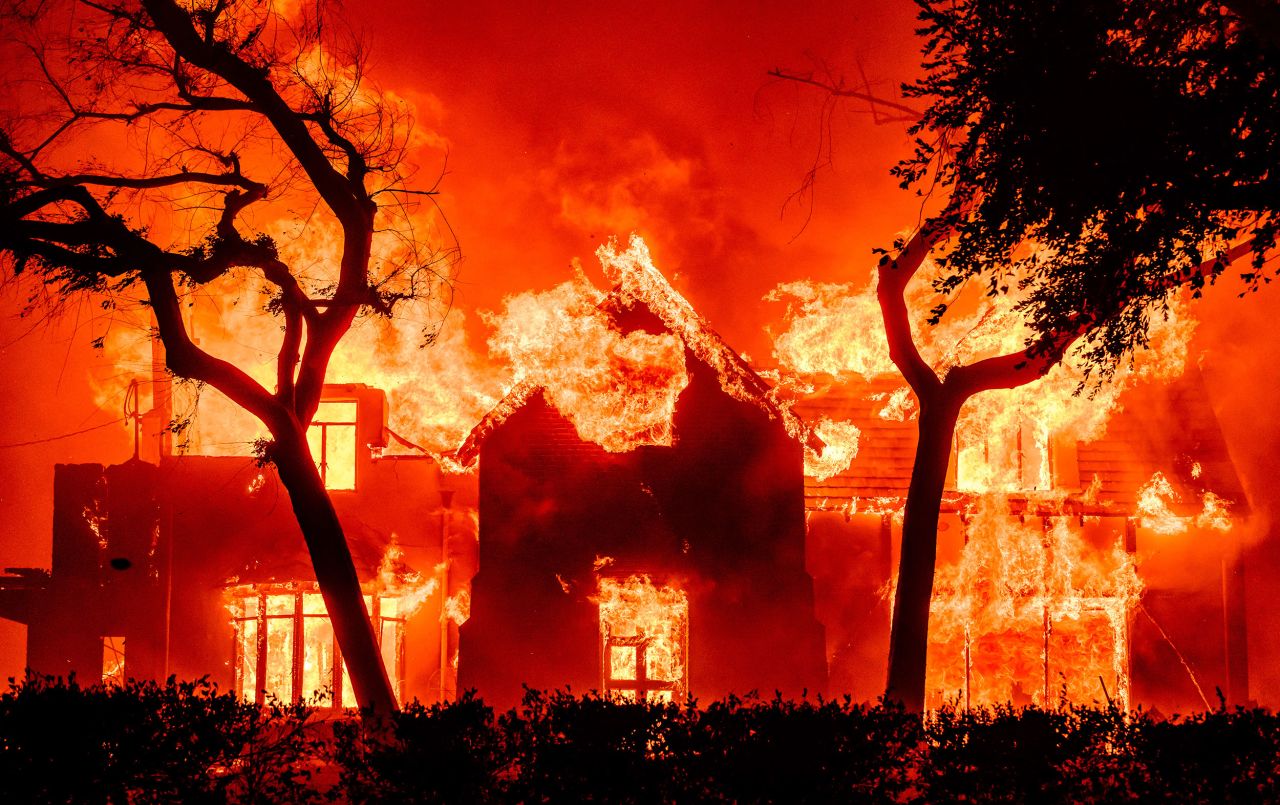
pixel 721 513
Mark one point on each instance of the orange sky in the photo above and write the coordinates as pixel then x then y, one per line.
pixel 572 122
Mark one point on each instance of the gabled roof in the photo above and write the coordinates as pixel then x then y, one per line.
pixel 641 284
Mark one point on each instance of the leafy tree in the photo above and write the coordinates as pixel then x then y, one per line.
pixel 141 138
pixel 1091 156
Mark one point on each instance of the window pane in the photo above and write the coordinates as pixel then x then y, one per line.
pixel 279 656
pixel 315 442
pixel 113 661
pixel 622 662
pixel 390 642
pixel 389 607
pixel 348 693
pixel 313 604
pixel 340 455
pixel 248 632
pixel 280 605
pixel 330 411
pixel 317 656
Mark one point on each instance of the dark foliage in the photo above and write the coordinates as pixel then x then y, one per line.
pixel 189 743
pixel 144 742
pixel 1093 149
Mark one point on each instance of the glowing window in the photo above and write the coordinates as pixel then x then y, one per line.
pixel 113 661
pixel 332 437
pixel 1031 612
pixel 285 646
pixel 644 639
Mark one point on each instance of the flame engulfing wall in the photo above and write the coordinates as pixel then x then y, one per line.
pixel 1045 533
pixel 1031 611
pixel 619 390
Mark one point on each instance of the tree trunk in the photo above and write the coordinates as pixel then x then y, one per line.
pixel 909 632
pixel 335 572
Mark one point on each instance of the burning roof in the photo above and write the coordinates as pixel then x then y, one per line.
pixel 1166 428
pixel 641 291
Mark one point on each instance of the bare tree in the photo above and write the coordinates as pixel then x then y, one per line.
pixel 142 140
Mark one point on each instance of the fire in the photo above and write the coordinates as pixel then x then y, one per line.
pixel 1156 497
pixel 644 639
pixel 457 607
pixel 401 583
pixel 841 440
pixel 1031 612
pixel 1215 515
pixel 639 280
pixel 832 330
pixel 284 641
pixel 619 390
pixel 1153 505
pixel 898 406
pixel 1003 438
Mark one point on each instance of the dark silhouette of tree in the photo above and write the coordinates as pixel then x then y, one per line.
pixel 146 136
pixel 1091 156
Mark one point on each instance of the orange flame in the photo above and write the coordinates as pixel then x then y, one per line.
pixel 1029 612
pixel 644 638
pixel 618 390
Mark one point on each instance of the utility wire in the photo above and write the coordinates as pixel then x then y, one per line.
pixel 63 436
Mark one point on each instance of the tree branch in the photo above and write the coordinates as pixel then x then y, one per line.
pixel 185 359
pixel 839 90
pixel 893 274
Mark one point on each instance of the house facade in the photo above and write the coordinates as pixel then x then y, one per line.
pixel 707 566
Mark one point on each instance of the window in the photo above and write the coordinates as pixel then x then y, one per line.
pixel 284 638
pixel 332 437
pixel 113 661
pixel 644 639
pixel 1032 610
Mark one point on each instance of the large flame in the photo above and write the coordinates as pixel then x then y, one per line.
pixel 619 390
pixel 1031 612
pixel 1156 499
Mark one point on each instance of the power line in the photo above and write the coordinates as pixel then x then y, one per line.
pixel 63 436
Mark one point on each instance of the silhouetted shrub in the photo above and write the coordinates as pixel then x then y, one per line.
pixel 145 742
pixel 186 742
pixel 452 752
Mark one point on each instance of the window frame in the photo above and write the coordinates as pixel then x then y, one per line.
pixel 324 425
pixel 260 593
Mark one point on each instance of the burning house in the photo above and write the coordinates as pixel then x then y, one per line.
pixel 645 517
pixel 193 565
pixel 1087 569
pixel 674 566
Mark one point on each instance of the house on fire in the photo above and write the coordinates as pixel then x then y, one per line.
pixel 705 566
pixel 193 565
pixel 662 569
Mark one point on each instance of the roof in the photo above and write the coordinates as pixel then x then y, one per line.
pixel 1167 428
pixel 640 284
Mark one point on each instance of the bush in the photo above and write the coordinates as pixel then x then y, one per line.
pixel 442 753
pixel 186 742
pixel 144 742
